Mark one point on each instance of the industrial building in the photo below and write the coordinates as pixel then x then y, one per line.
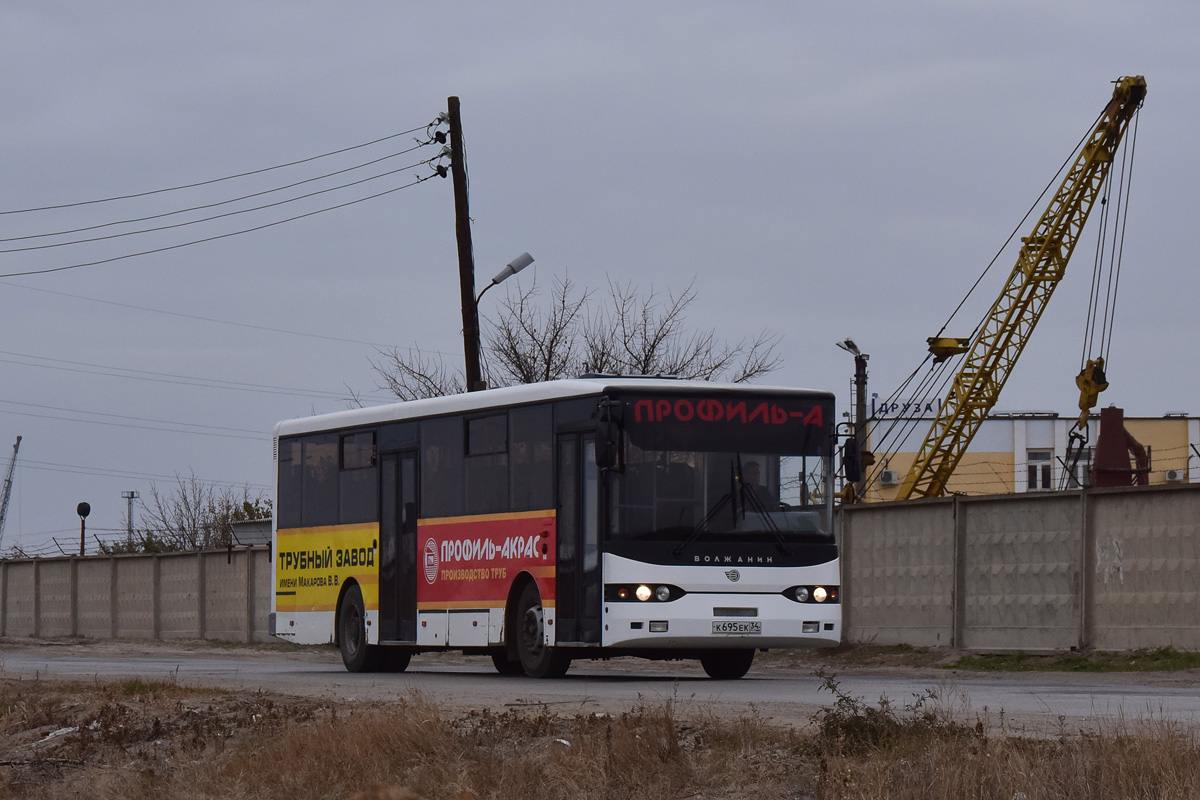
pixel 1027 451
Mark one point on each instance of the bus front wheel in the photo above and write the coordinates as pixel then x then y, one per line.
pixel 538 659
pixel 357 655
pixel 727 665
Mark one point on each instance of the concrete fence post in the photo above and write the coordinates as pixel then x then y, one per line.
pixel 37 598
pixel 248 556
pixel 1087 569
pixel 958 596
pixel 200 595
pixel 114 595
pixel 3 598
pixel 156 597
pixel 74 595
pixel 845 564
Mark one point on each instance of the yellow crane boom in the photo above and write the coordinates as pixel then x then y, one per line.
pixel 1040 265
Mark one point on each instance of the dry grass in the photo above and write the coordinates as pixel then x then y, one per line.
pixel 139 741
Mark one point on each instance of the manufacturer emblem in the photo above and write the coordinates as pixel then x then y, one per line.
pixel 733 575
pixel 431 561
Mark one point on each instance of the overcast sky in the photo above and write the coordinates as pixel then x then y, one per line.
pixel 819 170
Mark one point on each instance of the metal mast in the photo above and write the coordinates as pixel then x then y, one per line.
pixel 7 490
pixel 1039 269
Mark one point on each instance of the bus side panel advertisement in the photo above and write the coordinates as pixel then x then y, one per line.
pixel 312 564
pixel 472 561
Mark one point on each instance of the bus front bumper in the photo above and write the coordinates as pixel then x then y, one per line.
pixel 722 621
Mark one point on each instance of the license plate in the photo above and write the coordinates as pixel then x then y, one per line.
pixel 736 626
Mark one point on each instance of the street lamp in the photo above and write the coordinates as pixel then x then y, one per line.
pixel 860 407
pixel 471 337
pixel 83 509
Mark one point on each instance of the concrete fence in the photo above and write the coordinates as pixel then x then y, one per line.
pixel 1110 569
pixel 217 594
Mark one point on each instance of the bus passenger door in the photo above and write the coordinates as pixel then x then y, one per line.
pixel 577 590
pixel 398 547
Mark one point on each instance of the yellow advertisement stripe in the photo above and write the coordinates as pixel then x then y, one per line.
pixel 326 530
pixel 487 518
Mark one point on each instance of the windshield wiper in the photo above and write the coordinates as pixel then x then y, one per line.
pixel 750 498
pixel 702 525
pixel 737 490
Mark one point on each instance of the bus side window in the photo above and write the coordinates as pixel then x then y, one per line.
pixel 319 489
pixel 358 496
pixel 531 461
pixel 442 467
pixel 486 464
pixel 291 473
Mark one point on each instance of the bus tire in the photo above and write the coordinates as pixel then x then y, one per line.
pixel 394 659
pixel 727 665
pixel 504 666
pixel 357 655
pixel 538 659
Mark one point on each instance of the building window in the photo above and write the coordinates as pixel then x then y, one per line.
pixel 1040 464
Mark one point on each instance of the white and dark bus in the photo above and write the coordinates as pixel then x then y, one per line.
pixel 574 519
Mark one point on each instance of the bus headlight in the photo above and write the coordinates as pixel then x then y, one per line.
pixel 812 594
pixel 642 592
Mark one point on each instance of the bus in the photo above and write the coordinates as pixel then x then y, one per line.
pixel 575 519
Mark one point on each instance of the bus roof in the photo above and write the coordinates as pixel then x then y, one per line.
pixel 514 396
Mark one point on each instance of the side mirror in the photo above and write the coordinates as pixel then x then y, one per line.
pixel 608 434
pixel 852 461
pixel 607 437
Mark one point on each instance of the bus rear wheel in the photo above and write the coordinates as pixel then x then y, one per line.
pixel 538 659
pixel 727 665
pixel 357 655
pixel 504 666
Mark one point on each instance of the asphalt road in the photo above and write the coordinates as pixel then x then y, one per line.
pixel 1035 702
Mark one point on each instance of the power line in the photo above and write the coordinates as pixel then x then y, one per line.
pixel 213 217
pixel 171 378
pixel 216 237
pixel 123 416
pixel 207 205
pixel 121 474
pixel 213 319
pixel 129 425
pixel 218 180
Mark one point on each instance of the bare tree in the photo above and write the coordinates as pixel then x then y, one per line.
pixel 411 374
pixel 630 334
pixel 647 335
pixel 528 344
pixel 192 515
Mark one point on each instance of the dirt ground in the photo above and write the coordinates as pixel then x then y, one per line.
pixel 101 738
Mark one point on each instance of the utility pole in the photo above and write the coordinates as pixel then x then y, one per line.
pixel 860 418
pixel 860 413
pixel 466 254
pixel 129 496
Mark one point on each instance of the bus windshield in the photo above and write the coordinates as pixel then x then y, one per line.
pixel 688 495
